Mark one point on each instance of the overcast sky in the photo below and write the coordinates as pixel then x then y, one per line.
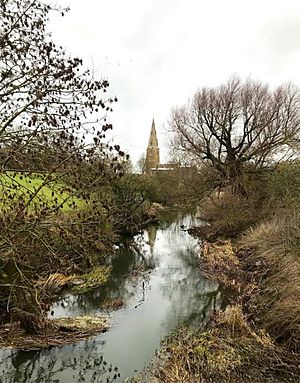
pixel 157 53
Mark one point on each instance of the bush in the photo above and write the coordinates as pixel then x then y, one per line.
pixel 228 214
pixel 283 184
pixel 127 201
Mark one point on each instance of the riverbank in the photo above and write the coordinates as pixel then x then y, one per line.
pixel 57 332
pixel 159 286
pixel 256 338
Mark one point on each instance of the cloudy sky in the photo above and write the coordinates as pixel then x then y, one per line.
pixel 157 53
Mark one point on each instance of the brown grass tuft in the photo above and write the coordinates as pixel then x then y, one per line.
pixel 218 261
pixel 229 351
pixel 276 250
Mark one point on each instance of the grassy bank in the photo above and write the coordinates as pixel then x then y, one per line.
pixel 38 190
pixel 250 244
pixel 58 238
pixel 229 350
pixel 256 338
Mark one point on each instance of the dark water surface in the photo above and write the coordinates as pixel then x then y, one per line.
pixel 161 286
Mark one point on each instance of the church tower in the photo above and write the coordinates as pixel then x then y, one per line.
pixel 152 157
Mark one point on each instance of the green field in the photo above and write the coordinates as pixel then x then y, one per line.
pixel 37 190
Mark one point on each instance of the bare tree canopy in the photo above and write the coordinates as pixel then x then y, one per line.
pixel 46 96
pixel 238 123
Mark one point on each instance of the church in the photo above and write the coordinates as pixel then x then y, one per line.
pixel 152 163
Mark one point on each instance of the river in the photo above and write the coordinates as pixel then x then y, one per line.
pixel 161 286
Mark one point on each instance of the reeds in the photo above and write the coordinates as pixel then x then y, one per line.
pixel 276 248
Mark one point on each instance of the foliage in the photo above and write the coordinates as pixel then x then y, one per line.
pixel 228 214
pixel 126 201
pixel 283 183
pixel 180 186
pixel 53 154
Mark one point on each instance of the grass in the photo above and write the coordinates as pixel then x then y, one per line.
pixel 275 247
pixel 219 262
pixel 43 191
pixel 57 282
pixel 97 277
pixel 58 332
pixel 265 267
pixel 228 351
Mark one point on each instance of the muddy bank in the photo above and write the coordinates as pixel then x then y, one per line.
pixel 154 286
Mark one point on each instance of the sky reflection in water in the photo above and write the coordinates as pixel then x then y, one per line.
pixel 161 287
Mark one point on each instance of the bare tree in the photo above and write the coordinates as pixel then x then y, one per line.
pixel 141 164
pixel 238 123
pixel 52 138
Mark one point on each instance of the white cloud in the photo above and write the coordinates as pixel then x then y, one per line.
pixel 157 53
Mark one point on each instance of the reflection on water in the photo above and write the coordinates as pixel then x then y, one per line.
pixel 157 278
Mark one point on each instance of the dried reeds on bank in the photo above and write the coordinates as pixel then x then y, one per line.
pixel 58 332
pixel 228 351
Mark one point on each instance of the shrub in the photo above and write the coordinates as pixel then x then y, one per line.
pixel 229 214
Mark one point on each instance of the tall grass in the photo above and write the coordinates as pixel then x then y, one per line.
pixel 276 249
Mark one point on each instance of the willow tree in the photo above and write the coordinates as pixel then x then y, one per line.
pixel 238 124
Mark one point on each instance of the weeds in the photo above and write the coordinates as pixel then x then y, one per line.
pixel 229 351
pixel 227 215
pixel 218 261
pixel 60 331
pixel 276 248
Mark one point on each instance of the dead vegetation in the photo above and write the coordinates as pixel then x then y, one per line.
pixel 57 282
pixel 274 249
pixel 56 333
pixel 265 268
pixel 227 215
pixel 112 304
pixel 229 351
pixel 219 262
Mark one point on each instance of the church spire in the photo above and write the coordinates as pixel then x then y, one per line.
pixel 153 138
pixel 152 157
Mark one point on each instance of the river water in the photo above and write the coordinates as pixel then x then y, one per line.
pixel 161 286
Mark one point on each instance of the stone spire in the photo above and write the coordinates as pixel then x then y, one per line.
pixel 152 157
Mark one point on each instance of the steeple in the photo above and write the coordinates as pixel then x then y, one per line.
pixel 152 157
pixel 153 138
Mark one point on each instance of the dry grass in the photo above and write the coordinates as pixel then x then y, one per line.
pixel 56 282
pixel 276 251
pixel 230 351
pixel 58 332
pixel 268 272
pixel 112 304
pixel 219 262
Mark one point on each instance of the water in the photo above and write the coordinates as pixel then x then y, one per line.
pixel 161 287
